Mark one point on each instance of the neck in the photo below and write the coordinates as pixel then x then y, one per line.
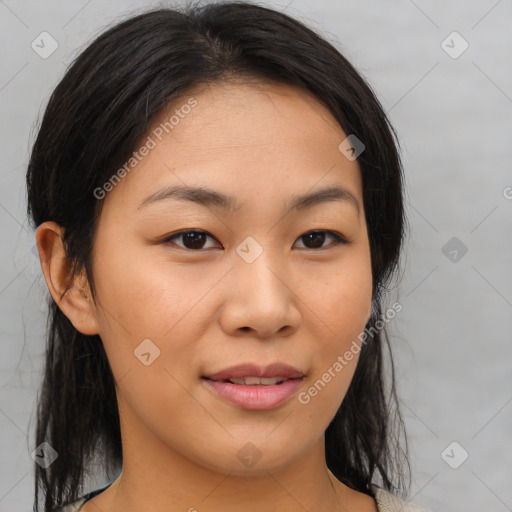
pixel 164 475
pixel 162 479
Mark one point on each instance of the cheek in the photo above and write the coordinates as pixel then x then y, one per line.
pixel 340 309
pixel 144 299
pixel 341 300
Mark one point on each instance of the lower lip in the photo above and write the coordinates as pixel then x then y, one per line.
pixel 255 398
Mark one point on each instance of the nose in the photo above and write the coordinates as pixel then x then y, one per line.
pixel 260 299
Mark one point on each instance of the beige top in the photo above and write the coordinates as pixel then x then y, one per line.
pixel 386 502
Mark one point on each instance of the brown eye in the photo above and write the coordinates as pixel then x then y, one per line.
pixel 316 239
pixel 192 240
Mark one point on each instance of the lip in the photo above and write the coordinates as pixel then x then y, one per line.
pixel 252 370
pixel 256 397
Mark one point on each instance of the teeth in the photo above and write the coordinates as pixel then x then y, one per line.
pixel 255 381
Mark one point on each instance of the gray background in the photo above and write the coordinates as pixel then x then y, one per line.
pixel 452 340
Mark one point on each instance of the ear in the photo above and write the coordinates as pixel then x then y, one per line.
pixel 73 296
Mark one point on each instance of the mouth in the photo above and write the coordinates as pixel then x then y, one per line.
pixel 254 388
pixel 251 374
pixel 253 381
pixel 254 393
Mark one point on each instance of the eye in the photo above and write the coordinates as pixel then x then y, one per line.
pixel 192 240
pixel 317 238
pixel 195 239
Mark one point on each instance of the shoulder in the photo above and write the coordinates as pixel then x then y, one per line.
pixel 387 502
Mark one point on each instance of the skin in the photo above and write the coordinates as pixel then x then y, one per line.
pixel 207 308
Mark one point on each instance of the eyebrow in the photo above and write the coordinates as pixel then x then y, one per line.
pixel 211 198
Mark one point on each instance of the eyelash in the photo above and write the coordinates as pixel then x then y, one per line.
pixel 338 238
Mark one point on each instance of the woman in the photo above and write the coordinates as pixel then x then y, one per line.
pixel 218 201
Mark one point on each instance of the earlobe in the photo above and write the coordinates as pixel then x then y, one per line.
pixel 72 295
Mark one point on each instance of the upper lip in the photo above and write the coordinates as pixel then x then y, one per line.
pixel 252 370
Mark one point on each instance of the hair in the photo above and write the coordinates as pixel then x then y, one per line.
pixel 93 122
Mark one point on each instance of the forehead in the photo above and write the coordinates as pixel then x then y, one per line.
pixel 248 112
pixel 249 138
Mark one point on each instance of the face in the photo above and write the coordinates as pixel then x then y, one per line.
pixel 189 285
